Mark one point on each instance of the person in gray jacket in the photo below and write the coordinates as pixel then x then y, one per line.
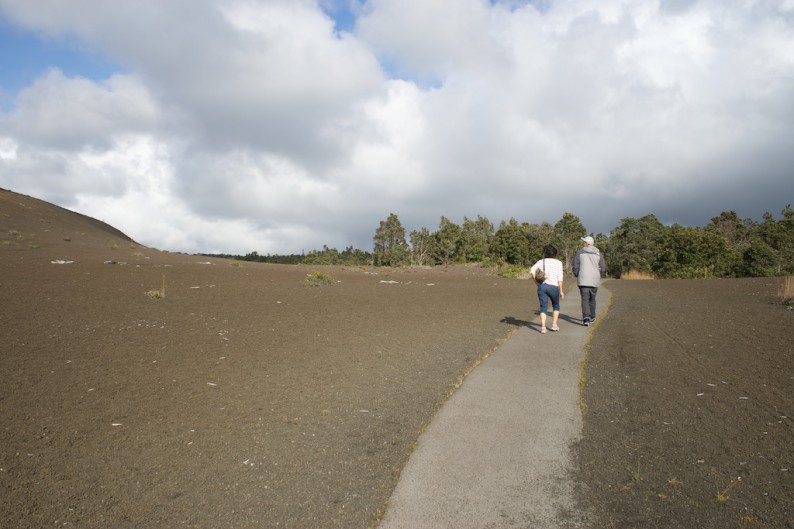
pixel 588 267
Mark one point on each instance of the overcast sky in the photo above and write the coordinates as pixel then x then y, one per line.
pixel 280 126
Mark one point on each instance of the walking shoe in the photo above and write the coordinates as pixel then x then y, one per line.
pixel 543 330
pixel 555 328
pixel 586 322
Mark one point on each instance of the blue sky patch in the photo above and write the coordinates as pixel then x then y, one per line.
pixel 25 56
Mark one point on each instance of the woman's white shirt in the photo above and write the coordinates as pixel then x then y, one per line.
pixel 552 268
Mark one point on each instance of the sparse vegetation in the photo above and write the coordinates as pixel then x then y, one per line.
pixel 635 473
pixel 316 279
pixel 157 294
pixel 514 271
pixel 722 492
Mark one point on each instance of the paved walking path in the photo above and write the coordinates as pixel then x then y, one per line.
pixel 497 454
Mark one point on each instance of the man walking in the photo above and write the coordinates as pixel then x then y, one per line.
pixel 588 267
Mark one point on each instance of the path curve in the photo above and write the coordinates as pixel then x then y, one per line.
pixel 498 454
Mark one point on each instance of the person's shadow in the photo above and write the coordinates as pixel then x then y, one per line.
pixel 512 320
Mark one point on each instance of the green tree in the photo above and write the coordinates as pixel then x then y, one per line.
pixel 538 237
pixel 779 237
pixel 475 239
pixel 447 241
pixel 567 234
pixel 759 259
pixel 786 247
pixel 510 243
pixel 736 232
pixel 728 224
pixel 634 245
pixel 687 252
pixel 422 245
pixel 328 256
pixel 391 249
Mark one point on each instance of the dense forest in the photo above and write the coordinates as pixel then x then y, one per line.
pixel 728 246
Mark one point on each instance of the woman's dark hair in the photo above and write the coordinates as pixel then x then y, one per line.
pixel 549 251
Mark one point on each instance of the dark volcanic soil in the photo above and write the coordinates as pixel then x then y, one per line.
pixel 690 407
pixel 247 398
pixel 243 398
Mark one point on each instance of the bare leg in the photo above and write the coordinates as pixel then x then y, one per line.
pixel 542 319
pixel 554 316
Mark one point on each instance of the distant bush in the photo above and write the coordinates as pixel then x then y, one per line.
pixel 317 279
pixel 514 271
pixel 636 275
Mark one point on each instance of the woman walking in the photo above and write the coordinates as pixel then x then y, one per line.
pixel 550 288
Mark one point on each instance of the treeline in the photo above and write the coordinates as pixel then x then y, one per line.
pixel 728 246
pixel 326 256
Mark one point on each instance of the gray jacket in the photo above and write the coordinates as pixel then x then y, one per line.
pixel 588 266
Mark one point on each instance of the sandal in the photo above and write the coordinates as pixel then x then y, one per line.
pixel 542 330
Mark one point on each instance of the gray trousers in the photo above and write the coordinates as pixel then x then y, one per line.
pixel 588 302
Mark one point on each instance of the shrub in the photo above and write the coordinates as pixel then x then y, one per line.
pixel 316 279
pixel 636 274
pixel 514 271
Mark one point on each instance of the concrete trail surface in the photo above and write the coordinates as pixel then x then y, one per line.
pixel 498 452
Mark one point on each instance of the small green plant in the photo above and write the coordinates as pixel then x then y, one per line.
pixel 316 279
pixel 157 294
pixel 722 495
pixel 635 473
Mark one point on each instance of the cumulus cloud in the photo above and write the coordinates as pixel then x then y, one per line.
pixel 260 125
pixel 66 114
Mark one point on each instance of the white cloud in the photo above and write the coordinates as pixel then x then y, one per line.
pixel 244 125
pixel 62 113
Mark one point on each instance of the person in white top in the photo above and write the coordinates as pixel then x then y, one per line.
pixel 551 288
